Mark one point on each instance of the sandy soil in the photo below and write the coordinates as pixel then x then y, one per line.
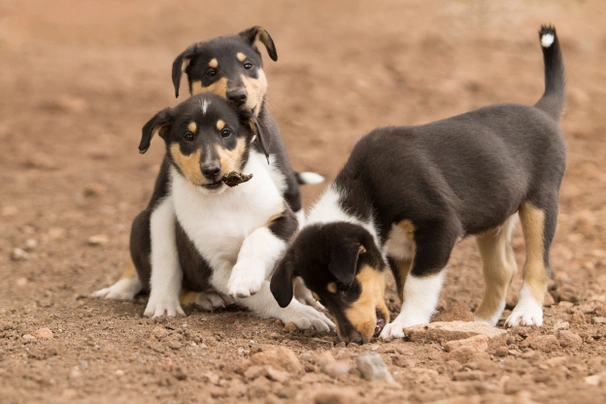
pixel 79 79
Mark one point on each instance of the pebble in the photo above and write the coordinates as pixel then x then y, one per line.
pixel 290 327
pixel 278 357
pixel 99 239
pixel 454 330
pixel 119 372
pixel 372 367
pixel 277 375
pixel 600 310
pixel 94 189
pixel 569 339
pixel 593 380
pixel 19 255
pixel 21 282
pixel 465 354
pixel 545 343
pixel 598 320
pixel 336 369
pixel 55 233
pixel 31 244
pixel 502 351
pixel 40 161
pixel 477 342
pixel 28 337
pixel 561 325
pixel 43 333
pixel 69 394
pixel 578 318
pixel 8 211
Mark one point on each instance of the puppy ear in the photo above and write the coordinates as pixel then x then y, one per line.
pixel 260 135
pixel 368 248
pixel 158 123
pixel 257 33
pixel 179 66
pixel 344 262
pixel 281 284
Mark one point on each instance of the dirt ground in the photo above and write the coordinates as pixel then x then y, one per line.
pixel 78 80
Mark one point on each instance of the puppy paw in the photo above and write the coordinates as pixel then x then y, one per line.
pixel 392 331
pixel 211 301
pixel 306 317
pixel 244 283
pixel 124 289
pixel 163 307
pixel 527 312
pixel 304 296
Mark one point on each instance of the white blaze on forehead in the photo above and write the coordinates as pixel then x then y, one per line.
pixel 547 40
pixel 205 105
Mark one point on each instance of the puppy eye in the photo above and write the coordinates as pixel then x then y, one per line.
pixel 343 287
pixel 188 136
pixel 248 65
pixel 225 133
pixel 211 73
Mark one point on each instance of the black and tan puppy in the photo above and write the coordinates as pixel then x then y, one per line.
pixel 232 68
pixel 219 223
pixel 407 194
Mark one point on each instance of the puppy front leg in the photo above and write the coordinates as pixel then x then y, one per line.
pixel 259 253
pixel 166 274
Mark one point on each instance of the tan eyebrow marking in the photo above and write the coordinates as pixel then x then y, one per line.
pixel 192 127
pixel 220 124
pixel 241 57
pixel 213 63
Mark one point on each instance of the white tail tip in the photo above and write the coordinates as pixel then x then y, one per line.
pixel 547 40
pixel 308 177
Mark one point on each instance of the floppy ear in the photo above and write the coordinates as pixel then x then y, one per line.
pixel 281 282
pixel 343 262
pixel 180 64
pixel 371 252
pixel 261 135
pixel 158 123
pixel 257 33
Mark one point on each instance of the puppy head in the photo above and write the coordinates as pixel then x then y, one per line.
pixel 229 66
pixel 341 264
pixel 206 139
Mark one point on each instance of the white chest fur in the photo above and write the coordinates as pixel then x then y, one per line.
pixel 218 223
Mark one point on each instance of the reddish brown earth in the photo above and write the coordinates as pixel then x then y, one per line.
pixel 79 79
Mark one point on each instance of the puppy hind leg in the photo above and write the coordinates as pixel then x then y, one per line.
pixel 538 224
pixel 499 268
pixel 208 301
pixel 126 288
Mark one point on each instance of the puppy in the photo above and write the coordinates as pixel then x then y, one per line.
pixel 407 194
pixel 232 68
pixel 204 235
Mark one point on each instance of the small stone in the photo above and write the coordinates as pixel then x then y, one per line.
pixel 465 354
pixel 94 189
pixel 561 325
pixel 336 369
pixel 335 396
pixel 119 372
pixel 21 282
pixel 372 367
pixel 31 244
pixel 40 161
pixel 19 255
pixel 598 320
pixel 477 342
pixel 290 327
pixel 75 372
pixel 502 351
pixel 593 380
pixel 545 343
pixel 43 333
pixel 253 372
pixel 28 337
pixel 448 331
pixel 55 233
pixel 569 339
pixel 277 375
pixel 578 318
pixel 600 310
pixel 69 394
pixel 99 239
pixel 8 211
pixel 278 357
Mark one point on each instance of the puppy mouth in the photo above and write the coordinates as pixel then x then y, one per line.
pixel 213 185
pixel 380 325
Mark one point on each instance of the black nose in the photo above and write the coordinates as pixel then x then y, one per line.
pixel 211 171
pixel 355 337
pixel 237 96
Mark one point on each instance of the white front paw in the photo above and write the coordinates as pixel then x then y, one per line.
pixel 306 317
pixel 392 330
pixel 157 307
pixel 124 289
pixel 527 312
pixel 210 301
pixel 243 283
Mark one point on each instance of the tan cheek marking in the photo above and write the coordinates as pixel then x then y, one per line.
pixel 220 124
pixel 219 87
pixel 256 89
pixel 534 271
pixel 362 313
pixel 332 287
pixel 192 127
pixel 241 57
pixel 130 272
pixel 213 63
pixel 189 165
pixel 230 159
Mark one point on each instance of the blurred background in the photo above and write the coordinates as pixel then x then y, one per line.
pixel 79 78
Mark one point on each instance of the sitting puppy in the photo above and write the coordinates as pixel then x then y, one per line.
pixel 231 67
pixel 407 194
pixel 220 223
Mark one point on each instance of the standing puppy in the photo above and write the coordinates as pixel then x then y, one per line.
pixel 220 223
pixel 230 67
pixel 407 194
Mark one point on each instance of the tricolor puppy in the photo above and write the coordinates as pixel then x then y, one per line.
pixel 230 67
pixel 219 223
pixel 407 194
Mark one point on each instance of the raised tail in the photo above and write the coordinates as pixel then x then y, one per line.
pixel 554 97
